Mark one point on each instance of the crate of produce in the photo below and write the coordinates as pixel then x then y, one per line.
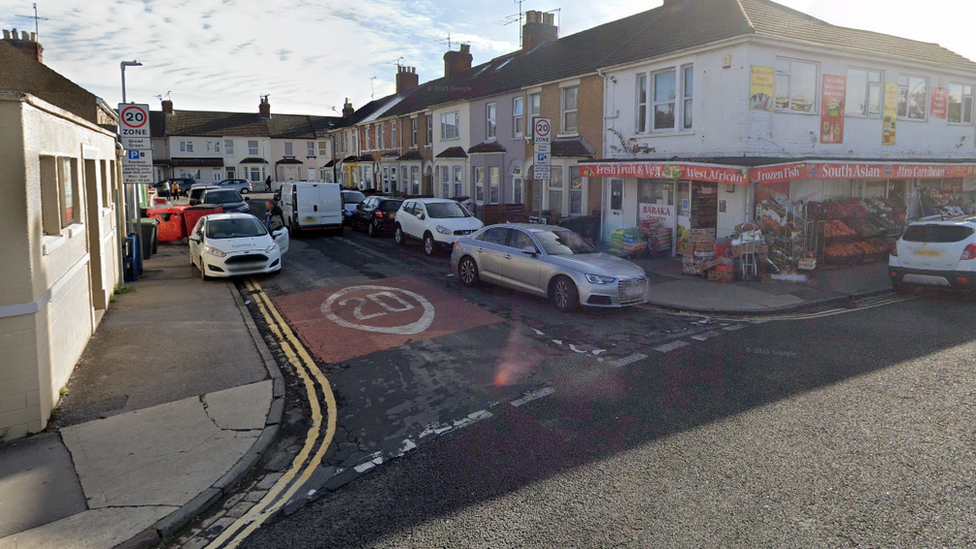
pixel 838 229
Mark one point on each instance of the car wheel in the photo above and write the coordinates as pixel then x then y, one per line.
pixel 399 237
pixel 244 191
pixel 468 272
pixel 564 295
pixel 371 230
pixel 203 271
pixel 429 245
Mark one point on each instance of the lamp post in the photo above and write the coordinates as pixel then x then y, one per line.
pixel 122 66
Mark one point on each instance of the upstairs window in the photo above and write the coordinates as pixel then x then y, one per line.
pixel 687 93
pixel 641 103
pixel 518 117
pixel 213 146
pixel 186 146
pixel 865 88
pixel 535 104
pixel 413 132
pixel 960 103
pixel 796 86
pixel 449 126
pixel 490 122
pixel 430 129
pixel 913 94
pixel 252 148
pixel 570 101
pixel 310 149
pixel 229 147
pixel 393 135
pixel 665 93
pixel 289 149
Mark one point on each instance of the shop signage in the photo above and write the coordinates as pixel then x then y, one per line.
pixel 656 212
pixel 762 88
pixel 832 109
pixel 940 103
pixel 890 113
pixel 692 172
pixel 778 173
pixel 769 175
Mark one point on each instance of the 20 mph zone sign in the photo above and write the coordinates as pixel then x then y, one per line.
pixel 134 126
pixel 542 139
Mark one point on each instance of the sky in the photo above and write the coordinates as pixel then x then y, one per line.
pixel 309 55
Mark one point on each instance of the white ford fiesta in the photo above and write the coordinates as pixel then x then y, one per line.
pixel 223 245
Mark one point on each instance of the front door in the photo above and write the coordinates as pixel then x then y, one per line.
pixel 614 199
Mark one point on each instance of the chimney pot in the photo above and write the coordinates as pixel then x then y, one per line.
pixel 167 106
pixel 406 79
pixel 33 37
pixel 264 109
pixel 6 34
pixel 539 28
pixel 24 36
pixel 456 62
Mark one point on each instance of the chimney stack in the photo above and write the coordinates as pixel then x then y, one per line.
pixel 539 28
pixel 264 109
pixel 406 79
pixel 347 109
pixel 167 105
pixel 456 62
pixel 26 42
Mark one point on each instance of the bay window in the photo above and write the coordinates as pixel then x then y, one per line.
pixel 494 173
pixel 865 88
pixel 445 182
pixel 796 86
pixel 458 181
pixel 479 184
pixel 575 192
pixel 555 198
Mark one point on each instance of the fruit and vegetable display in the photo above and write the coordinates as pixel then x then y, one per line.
pixel 838 229
pixel 858 229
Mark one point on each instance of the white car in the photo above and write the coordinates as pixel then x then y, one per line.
pixel 935 252
pixel 437 222
pixel 223 245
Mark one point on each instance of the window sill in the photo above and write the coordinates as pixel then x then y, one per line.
pixel 863 117
pixel 922 120
pixel 666 133
pixel 75 229
pixel 51 243
pixel 570 134
pixel 801 113
pixel 960 124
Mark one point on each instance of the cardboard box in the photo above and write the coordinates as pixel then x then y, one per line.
pixel 702 236
pixel 807 264
pixel 721 277
pixel 762 249
pixel 689 249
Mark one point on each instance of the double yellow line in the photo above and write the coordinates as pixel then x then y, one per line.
pixel 302 466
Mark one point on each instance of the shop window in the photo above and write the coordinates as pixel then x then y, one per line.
pixel 665 92
pixel 575 192
pixel 913 94
pixel 660 193
pixel 490 120
pixel 687 94
pixel 68 187
pixel 556 191
pixel 960 104
pixel 479 184
pixel 570 103
pixel 494 182
pixel 518 117
pixel 641 103
pixel 458 181
pixel 796 86
pixel 864 92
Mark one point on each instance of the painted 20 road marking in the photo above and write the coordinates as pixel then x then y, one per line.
pixel 379 296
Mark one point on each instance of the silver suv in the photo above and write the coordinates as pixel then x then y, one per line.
pixel 242 186
pixel 935 251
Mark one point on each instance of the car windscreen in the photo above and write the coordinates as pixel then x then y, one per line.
pixel 563 242
pixel 353 197
pixel 242 227
pixel 447 210
pixel 937 233
pixel 222 197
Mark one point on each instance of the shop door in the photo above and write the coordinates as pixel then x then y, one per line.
pixel 614 220
pixel 704 207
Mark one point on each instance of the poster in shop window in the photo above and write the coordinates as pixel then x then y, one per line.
pixel 832 109
pixel 762 88
pixel 940 103
pixel 890 113
pixel 657 212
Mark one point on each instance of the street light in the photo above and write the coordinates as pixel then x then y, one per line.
pixel 122 66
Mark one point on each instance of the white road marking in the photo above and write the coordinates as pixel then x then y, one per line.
pixel 705 337
pixel 734 328
pixel 534 395
pixel 636 357
pixel 673 346
pixel 426 319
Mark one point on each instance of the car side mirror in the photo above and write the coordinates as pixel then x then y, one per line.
pixel 278 232
pixel 194 201
pixel 530 250
pixel 421 216
pixel 247 199
pixel 196 238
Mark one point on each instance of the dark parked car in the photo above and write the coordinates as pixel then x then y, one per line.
pixel 196 193
pixel 229 199
pixel 163 187
pixel 376 214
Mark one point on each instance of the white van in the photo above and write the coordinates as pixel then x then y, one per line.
pixel 311 205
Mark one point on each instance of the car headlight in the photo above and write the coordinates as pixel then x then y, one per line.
pixel 272 248
pixel 216 251
pixel 443 230
pixel 600 279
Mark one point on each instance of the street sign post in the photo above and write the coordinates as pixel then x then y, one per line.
pixel 542 147
pixel 134 126
pixel 542 173
pixel 542 131
pixel 137 168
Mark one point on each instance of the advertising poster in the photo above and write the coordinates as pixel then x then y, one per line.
pixel 890 113
pixel 940 103
pixel 662 214
pixel 832 108
pixel 762 88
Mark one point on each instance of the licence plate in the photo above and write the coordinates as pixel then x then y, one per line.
pixel 309 220
pixel 393 215
pixel 928 252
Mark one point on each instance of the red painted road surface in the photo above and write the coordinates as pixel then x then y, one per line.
pixel 344 322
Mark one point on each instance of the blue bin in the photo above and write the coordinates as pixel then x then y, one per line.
pixel 132 258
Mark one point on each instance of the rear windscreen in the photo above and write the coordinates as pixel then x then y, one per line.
pixel 937 233
pixel 390 205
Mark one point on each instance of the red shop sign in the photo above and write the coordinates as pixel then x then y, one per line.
pixel 692 172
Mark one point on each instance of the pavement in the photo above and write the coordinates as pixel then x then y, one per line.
pixel 670 289
pixel 174 399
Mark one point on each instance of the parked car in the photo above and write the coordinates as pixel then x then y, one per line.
pixel 163 187
pixel 935 252
pixel 229 199
pixel 223 245
pixel 196 192
pixel 350 200
pixel 551 262
pixel 437 222
pixel 311 205
pixel 376 215
pixel 242 186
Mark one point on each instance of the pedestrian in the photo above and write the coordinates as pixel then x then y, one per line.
pixel 273 218
pixel 174 190
pixel 267 184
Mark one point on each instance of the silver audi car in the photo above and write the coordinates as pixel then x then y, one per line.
pixel 550 262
